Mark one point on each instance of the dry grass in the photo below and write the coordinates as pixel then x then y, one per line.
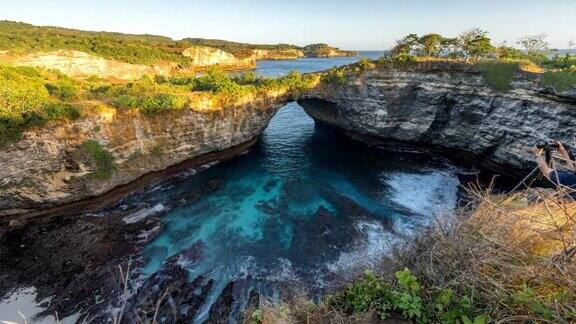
pixel 514 254
pixel 506 248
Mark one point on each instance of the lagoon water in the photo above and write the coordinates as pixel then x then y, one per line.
pixel 305 209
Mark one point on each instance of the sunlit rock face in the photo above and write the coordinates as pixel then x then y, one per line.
pixel 81 65
pixel 46 166
pixel 277 54
pixel 203 56
pixel 453 111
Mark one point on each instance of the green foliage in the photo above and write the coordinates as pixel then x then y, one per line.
pixel 26 102
pixel 152 95
pixel 499 74
pixel 161 102
pixel 404 58
pixel 157 151
pixel 323 50
pixel 364 63
pixel 335 76
pixel 475 43
pixel 102 159
pixel 256 317
pixel 528 298
pixel 507 52
pixel 431 44
pixel 219 82
pixel 472 44
pixel 559 62
pixel 64 88
pixel 406 45
pixel 559 80
pixel 405 300
pixel 20 38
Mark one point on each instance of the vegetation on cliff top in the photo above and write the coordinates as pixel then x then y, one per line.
pixel 505 258
pixel 473 51
pixel 33 97
pixel 21 38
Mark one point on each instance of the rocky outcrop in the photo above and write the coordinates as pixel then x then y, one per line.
pixel 325 50
pixel 450 111
pixel 81 65
pixel 276 54
pixel 204 57
pixel 53 165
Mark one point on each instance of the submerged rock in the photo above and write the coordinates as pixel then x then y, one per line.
pixel 168 296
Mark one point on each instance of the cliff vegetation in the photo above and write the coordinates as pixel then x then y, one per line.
pixel 31 97
pixel 20 38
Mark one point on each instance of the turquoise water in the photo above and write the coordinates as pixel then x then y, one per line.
pixel 306 207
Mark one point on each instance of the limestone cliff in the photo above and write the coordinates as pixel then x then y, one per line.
pixel 81 65
pixel 48 167
pixel 204 57
pixel 452 111
pixel 276 54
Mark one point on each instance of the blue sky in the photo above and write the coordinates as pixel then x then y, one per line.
pixel 352 24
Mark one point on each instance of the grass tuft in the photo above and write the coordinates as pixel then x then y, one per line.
pixel 102 159
pixel 499 74
pixel 559 80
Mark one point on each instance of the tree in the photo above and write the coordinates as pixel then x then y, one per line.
pixel 449 47
pixel 475 43
pixel 508 52
pixel 535 44
pixel 571 45
pixel 431 44
pixel 405 45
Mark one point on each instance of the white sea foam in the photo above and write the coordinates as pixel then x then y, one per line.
pixel 21 306
pixel 283 271
pixel 375 243
pixel 143 214
pixel 429 194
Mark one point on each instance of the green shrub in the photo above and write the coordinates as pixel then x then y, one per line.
pixel 364 63
pixel 157 151
pixel 334 76
pixel 102 159
pixel 405 300
pixel 559 80
pixel 499 74
pixel 404 58
pixel 219 82
pixel 65 89
pixel 26 102
pixel 125 101
pixel 246 78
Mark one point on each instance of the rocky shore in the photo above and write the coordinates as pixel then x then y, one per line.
pixel 450 111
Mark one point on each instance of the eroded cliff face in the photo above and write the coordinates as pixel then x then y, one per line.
pixel 81 65
pixel 204 57
pixel 452 112
pixel 48 165
pixel 278 54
